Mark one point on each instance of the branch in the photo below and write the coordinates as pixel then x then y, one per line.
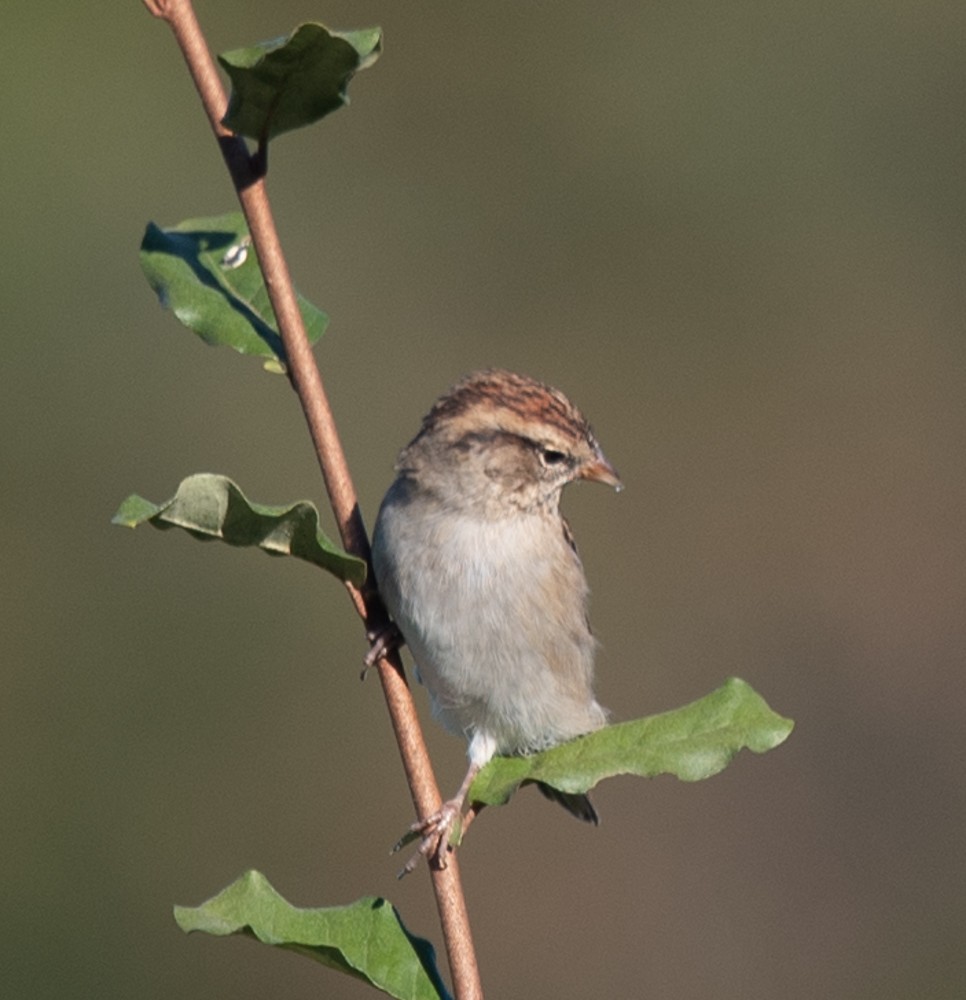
pixel 247 175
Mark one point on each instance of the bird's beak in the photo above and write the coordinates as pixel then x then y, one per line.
pixel 601 471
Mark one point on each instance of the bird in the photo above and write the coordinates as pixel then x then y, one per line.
pixel 479 571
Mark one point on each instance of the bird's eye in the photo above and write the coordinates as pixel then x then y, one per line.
pixel 551 456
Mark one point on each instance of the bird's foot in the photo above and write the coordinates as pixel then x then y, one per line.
pixel 435 834
pixel 381 642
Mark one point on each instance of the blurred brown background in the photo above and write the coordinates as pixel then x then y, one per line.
pixel 735 234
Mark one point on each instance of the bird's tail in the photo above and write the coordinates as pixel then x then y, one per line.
pixel 576 804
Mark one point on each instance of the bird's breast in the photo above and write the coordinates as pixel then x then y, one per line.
pixel 494 613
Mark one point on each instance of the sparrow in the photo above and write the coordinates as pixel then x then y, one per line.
pixel 479 571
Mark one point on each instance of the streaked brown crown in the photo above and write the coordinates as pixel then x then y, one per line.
pixel 508 402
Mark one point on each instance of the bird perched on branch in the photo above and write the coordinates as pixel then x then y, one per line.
pixel 479 570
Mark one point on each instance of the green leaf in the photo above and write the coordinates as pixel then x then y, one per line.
pixel 692 743
pixel 291 82
pixel 366 939
pixel 206 271
pixel 210 506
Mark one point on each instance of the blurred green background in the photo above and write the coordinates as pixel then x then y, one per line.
pixel 735 234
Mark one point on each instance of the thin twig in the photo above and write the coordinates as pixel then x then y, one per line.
pixel 304 374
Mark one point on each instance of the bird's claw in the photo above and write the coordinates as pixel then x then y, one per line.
pixel 381 642
pixel 435 835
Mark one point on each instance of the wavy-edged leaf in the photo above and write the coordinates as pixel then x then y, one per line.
pixel 692 743
pixel 288 83
pixel 210 506
pixel 365 939
pixel 206 272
